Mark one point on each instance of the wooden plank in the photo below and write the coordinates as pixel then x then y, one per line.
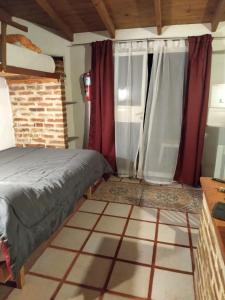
pixel 158 16
pixel 5 17
pixel 218 15
pixel 68 34
pixel 15 70
pixel 3 44
pixel 105 16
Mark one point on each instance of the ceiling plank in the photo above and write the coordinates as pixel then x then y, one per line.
pixel 105 16
pixel 158 16
pixel 6 18
pixel 67 32
pixel 218 15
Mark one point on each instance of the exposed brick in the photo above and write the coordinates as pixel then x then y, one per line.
pixel 39 112
pixel 37 109
pixel 17 88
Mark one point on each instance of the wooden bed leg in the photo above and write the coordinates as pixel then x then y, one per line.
pixel 20 281
pixel 89 193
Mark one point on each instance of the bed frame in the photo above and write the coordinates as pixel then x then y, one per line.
pixel 14 73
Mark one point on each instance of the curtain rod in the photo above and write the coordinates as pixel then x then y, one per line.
pixel 148 39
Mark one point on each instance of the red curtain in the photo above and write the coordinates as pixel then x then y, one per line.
pixel 188 169
pixel 102 128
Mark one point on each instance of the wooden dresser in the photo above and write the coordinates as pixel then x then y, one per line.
pixel 209 272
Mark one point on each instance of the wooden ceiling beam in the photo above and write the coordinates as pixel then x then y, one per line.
pixel 105 16
pixel 218 15
pixel 158 16
pixel 63 27
pixel 6 18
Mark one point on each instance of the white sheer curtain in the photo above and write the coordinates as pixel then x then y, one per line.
pixel 7 137
pixel 162 128
pixel 130 94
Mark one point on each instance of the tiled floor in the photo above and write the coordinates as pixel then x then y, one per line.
pixel 117 251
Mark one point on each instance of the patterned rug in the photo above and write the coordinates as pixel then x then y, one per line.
pixel 167 197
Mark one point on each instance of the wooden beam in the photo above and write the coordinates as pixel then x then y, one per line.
pixel 63 27
pixel 3 44
pixel 5 17
pixel 105 16
pixel 158 16
pixel 16 71
pixel 218 15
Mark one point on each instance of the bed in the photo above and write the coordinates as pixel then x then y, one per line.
pixel 21 57
pixel 38 190
pixel 17 61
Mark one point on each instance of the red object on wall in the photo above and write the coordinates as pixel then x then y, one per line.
pixel 188 169
pixel 87 86
pixel 102 125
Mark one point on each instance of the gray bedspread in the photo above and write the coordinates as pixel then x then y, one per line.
pixel 38 189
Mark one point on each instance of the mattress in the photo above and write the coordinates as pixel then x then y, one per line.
pixel 21 57
pixel 38 189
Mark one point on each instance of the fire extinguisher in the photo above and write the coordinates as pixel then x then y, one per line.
pixel 87 85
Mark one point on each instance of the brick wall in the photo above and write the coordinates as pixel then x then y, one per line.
pixel 39 111
pixel 209 264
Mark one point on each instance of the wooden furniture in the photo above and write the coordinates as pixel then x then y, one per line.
pixel 209 272
pixel 15 72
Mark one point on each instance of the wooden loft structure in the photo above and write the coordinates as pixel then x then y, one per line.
pixel 66 17
pixel 11 72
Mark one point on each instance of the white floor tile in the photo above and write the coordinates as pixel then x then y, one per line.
pixel 93 206
pixel 130 279
pixel 173 234
pixel 194 220
pixel 36 288
pixel 111 224
pixel 72 292
pixel 172 286
pixel 109 296
pixel 90 270
pixel 101 243
pixel 144 213
pixel 173 217
pixel 53 262
pixel 83 220
pixel 70 238
pixel 194 236
pixel 136 250
pixel 117 209
pixel 141 229
pixel 173 257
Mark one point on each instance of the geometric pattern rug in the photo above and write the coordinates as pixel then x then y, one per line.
pixel 172 197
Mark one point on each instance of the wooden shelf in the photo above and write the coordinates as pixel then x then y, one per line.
pixel 72 138
pixel 70 102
